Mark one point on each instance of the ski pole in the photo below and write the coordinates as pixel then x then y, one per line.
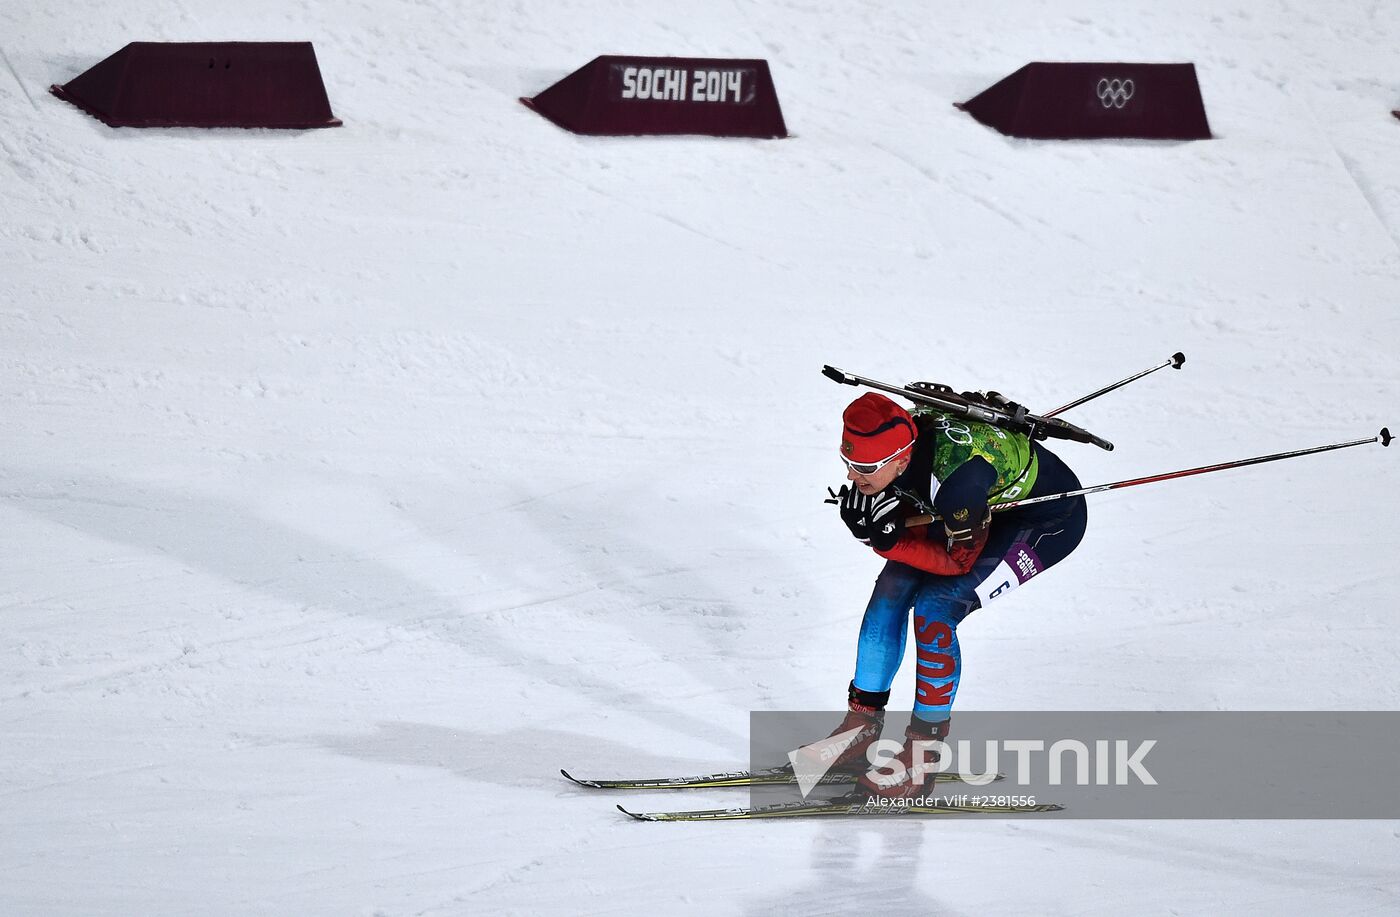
pixel 1174 362
pixel 1383 438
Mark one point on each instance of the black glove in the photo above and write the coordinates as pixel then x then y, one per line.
pixel 855 507
pixel 886 520
pixel 877 521
pixel 964 532
pixel 961 502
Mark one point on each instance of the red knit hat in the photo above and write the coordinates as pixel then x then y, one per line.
pixel 875 428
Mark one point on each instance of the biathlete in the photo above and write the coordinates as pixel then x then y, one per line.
pixel 900 464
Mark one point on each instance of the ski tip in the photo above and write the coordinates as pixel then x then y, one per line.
pixel 1177 359
pixel 575 780
pixel 1385 436
pixel 638 816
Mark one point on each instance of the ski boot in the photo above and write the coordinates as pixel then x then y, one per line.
pixel 845 748
pixel 903 785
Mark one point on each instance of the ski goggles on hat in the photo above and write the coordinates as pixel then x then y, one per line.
pixel 869 468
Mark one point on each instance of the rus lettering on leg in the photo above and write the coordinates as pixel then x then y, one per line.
pixel 932 635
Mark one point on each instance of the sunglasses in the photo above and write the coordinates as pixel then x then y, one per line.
pixel 869 468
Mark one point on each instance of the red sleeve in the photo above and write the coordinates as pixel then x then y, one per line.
pixel 932 556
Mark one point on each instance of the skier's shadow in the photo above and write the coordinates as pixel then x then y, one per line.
pixel 853 880
pixel 664 595
pixel 675 592
pixel 505 759
pixel 235 543
pixel 239 544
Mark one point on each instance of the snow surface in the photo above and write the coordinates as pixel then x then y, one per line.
pixel 354 481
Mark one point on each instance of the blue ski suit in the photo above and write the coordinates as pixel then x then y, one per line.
pixel 939 586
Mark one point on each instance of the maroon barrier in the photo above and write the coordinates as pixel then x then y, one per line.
pixel 618 96
pixel 1092 101
pixel 205 84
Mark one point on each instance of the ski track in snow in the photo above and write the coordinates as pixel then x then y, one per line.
pixel 357 480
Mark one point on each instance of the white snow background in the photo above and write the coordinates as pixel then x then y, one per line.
pixel 354 481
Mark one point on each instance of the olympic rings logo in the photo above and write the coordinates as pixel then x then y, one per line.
pixel 1115 93
pixel 956 433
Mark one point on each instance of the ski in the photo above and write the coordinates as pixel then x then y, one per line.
pixel 839 807
pixel 771 776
